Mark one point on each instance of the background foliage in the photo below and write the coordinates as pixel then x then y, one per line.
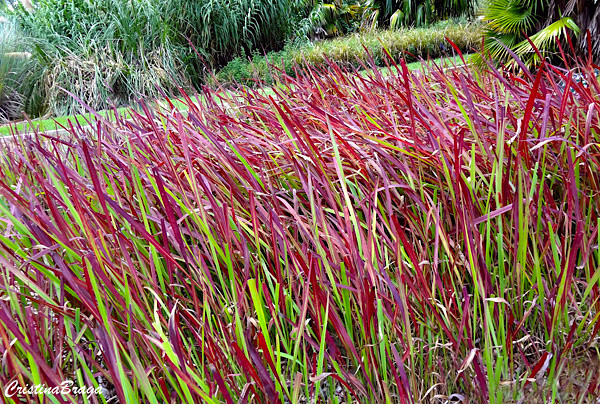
pixel 117 51
pixel 396 13
pixel 341 17
pixel 19 75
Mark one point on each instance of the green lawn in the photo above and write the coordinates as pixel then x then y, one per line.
pixel 57 123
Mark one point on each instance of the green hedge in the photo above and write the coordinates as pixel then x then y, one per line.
pixel 353 49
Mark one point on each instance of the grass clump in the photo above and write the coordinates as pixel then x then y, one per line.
pixel 356 50
pixel 409 238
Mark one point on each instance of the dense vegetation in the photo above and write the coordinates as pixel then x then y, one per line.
pixel 409 238
pixel 116 51
pixel 345 16
pixel 382 236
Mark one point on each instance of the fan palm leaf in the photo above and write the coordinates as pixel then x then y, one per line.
pixel 510 16
pixel 544 22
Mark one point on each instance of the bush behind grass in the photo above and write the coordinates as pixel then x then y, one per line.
pixel 356 49
pixel 413 238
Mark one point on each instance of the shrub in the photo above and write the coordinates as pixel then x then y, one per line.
pixel 258 69
pixel 356 50
pixel 413 238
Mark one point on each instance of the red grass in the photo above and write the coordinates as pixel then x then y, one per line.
pixel 406 239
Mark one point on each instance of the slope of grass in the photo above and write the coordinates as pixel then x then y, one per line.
pixel 421 237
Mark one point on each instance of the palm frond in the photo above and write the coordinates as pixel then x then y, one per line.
pixel 510 16
pixel 546 38
pixel 396 19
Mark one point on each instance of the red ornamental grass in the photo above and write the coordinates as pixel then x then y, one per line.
pixel 419 237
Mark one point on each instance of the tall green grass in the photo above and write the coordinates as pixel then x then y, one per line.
pixel 18 72
pixel 419 237
pixel 116 51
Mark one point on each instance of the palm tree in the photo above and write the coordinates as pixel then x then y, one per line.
pixel 511 22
